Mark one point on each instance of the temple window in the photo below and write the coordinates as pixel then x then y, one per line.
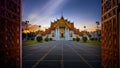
pixel 70 34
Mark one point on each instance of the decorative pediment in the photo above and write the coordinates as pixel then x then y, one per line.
pixel 62 23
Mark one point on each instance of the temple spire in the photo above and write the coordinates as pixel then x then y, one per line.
pixel 62 17
pixel 62 13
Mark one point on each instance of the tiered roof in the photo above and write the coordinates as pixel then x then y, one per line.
pixel 61 23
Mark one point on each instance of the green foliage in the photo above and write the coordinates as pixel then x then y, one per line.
pixel 93 43
pixel 51 39
pixel 32 38
pixel 46 39
pixel 77 39
pixel 23 36
pixel 73 39
pixel 29 42
pixel 39 38
pixel 84 39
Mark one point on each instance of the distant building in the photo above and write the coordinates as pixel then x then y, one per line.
pixel 85 34
pixel 110 33
pixel 10 17
pixel 95 35
pixel 62 29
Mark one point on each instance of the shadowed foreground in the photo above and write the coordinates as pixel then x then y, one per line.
pixel 61 54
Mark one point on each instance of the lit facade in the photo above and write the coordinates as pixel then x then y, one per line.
pixel 62 29
pixel 110 33
pixel 10 17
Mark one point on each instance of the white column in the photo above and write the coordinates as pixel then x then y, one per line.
pixel 58 34
pixel 68 34
pixel 65 34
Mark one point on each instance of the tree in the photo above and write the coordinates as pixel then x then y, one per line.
pixel 39 39
pixel 84 39
pixel 51 39
pixel 47 39
pixel 73 39
pixel 77 39
pixel 97 23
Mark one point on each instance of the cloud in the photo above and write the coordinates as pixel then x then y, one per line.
pixel 44 14
pixel 32 16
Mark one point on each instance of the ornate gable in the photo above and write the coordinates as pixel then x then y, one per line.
pixel 62 23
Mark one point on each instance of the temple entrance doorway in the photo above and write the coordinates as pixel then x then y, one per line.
pixel 62 34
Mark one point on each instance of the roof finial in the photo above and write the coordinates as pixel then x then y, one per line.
pixel 62 17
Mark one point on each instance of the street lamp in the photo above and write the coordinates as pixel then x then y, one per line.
pixel 97 23
pixel 26 23
pixel 39 29
pixel 84 27
pixel 84 30
pixel 39 26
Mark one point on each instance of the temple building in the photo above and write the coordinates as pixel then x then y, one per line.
pixel 61 29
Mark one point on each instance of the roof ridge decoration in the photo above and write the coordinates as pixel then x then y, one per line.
pixel 62 20
pixel 62 17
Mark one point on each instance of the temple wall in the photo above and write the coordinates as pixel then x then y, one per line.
pixel 43 37
pixel 74 35
pixel 54 34
pixel 71 38
pixel 80 37
pixel 67 35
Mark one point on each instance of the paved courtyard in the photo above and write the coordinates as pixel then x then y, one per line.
pixel 61 54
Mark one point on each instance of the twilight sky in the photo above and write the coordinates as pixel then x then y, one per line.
pixel 81 12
